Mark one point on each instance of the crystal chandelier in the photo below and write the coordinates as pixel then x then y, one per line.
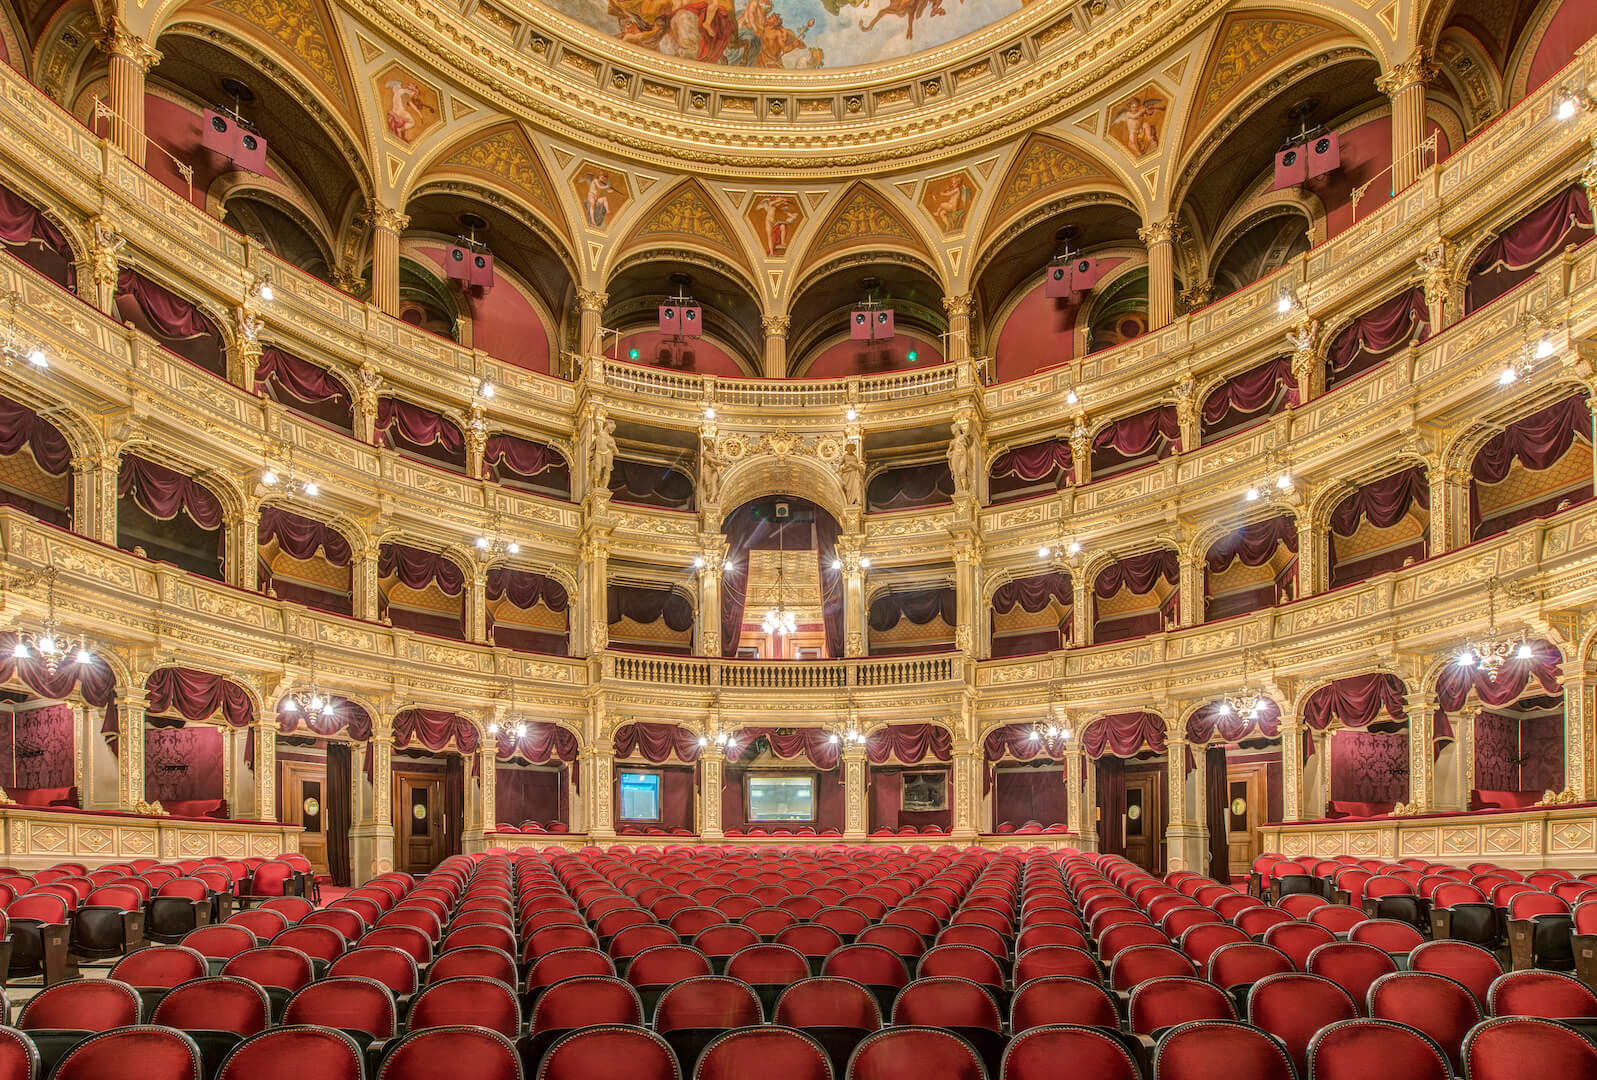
pixel 309 702
pixel 286 480
pixel 1246 702
pixel 780 620
pixel 721 738
pixel 513 721
pixel 1051 732
pixel 51 643
pixel 1491 652
pixel 14 348
pixel 492 545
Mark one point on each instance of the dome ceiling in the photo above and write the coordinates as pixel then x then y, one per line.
pixel 791 35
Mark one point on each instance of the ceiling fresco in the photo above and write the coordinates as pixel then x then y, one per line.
pixel 786 34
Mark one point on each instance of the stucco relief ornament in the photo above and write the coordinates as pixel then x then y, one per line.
pixel 371 381
pixel 712 462
pixel 1434 272
pixel 1079 443
pixel 852 471
pixel 108 244
pixel 1303 340
pixel 1186 403
pixel 602 459
pixel 959 456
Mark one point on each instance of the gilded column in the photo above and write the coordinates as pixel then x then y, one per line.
pixel 1160 239
pixel 967 591
pixel 967 792
pixel 1074 776
pixel 489 758
pixel 601 823
pixel 105 264
pixel 94 497
pixel 129 59
pixel 712 761
pixel 1308 555
pixel 266 768
pixel 387 226
pixel 130 752
pixel 1464 741
pixel 1198 851
pixel 957 308
pixel 382 829
pixel 709 637
pixel 1180 813
pixel 592 577
pixel 1446 501
pixel 1421 762
pixel 245 544
pixel 1292 736
pixel 855 819
pixel 1080 608
pixel 1190 600
pixel 776 328
pixel 1405 86
pixel 1578 733
pixel 849 549
pixel 591 305
pixel 1089 805
pixel 363 573
pixel 477 604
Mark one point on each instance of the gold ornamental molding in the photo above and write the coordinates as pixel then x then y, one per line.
pixel 1019 73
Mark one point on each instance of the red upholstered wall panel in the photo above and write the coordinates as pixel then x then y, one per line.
pixel 183 763
pixel 1362 764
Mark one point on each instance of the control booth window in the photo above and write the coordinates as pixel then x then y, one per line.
pixel 779 798
pixel 640 795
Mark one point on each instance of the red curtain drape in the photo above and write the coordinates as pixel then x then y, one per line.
pixel 1124 734
pixel 1356 701
pixel 919 607
pixel 418 569
pixel 171 315
pixel 1537 441
pixel 909 744
pixel 1383 502
pixel 1251 391
pixel 1032 594
pixel 300 379
pixel 1217 812
pixel 910 486
pixel 1254 544
pixel 94 681
pixel 1133 436
pixel 1111 805
pixel 399 419
pixel 1518 250
pixel 814 744
pixel 1016 741
pixel 339 800
pixel 454 803
pixel 656 742
pixel 21 427
pixel 1231 725
pixel 339 714
pixel 21 224
pixel 648 484
pixel 645 606
pixel 541 743
pixel 1378 333
pixel 302 537
pixel 163 493
pixel 1455 682
pixel 434 729
pixel 1139 573
pixel 521 459
pixel 198 695
pixel 525 589
pixel 1036 461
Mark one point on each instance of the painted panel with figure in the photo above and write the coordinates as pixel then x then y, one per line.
pixel 787 34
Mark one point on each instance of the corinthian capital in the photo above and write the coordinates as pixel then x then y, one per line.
pixel 593 299
pixel 1417 70
pixel 1165 231
pixel 387 218
pixel 956 307
pixel 115 40
pixel 776 325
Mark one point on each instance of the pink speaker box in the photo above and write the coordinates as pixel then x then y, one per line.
pixel 1325 154
pixel 692 321
pixel 249 153
pixel 882 325
pixel 217 133
pixel 457 263
pixel 859 326
pixel 480 270
pixel 1291 167
pixel 670 320
pixel 1056 286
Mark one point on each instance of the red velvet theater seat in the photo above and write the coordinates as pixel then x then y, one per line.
pixel 162 1053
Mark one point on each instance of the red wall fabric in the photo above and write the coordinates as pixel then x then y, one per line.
pixel 866 358
pixel 1575 23
pixel 183 763
pixel 36 748
pixel 526 795
pixel 1363 764
pixel 1496 747
pixel 1039 333
pixel 886 786
pixel 695 354
pixel 503 323
pixel 1515 753
pixel 1030 794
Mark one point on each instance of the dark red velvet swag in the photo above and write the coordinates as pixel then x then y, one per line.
pixel 304 381
pixel 1380 332
pixel 1124 734
pixel 1254 544
pixel 1356 701
pixel 1208 720
pixel 163 493
pixel 645 606
pixel 1139 573
pixel 919 607
pixel 1455 682
pixel 302 537
pixel 399 419
pixel 340 714
pixel 434 729
pixel 1383 502
pixel 1251 391
pixel 1015 741
pixel 909 743
pixel 1217 812
pixel 418 569
pixel 21 427
pixel 909 486
pixel 656 742
pixel 525 589
pixel 1563 220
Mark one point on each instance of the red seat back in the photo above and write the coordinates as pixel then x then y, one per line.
pixel 872 965
pixel 1541 993
pixel 1298 940
pixel 464 1051
pixel 394 968
pixel 1352 966
pixel 1210 1049
pixel 88 1005
pixel 219 1003
pixel 317 942
pixel 768 965
pixel 1528 1048
pixel 1461 961
pixel 1357 1049
pixel 159 966
pixel 1038 1052
pixel 272 965
pixel 294 1051
pixel 961 962
pixel 1163 1003
pixel 828 1001
pixel 763 1051
pixel 666 964
pixel 162 1054
pixel 1434 1004
pixel 1062 999
pixel 468 1000
pixel 914 1053
pixel 480 960
pixel 566 963
pixel 1244 963
pixel 707 1001
pixel 409 938
pixel 607 1050
pixel 348 1003
pixel 1293 1007
pixel 1046 960
pixel 584 1000
pixel 1143 962
pixel 946 1002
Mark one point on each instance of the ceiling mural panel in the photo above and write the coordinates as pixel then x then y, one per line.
pixel 789 35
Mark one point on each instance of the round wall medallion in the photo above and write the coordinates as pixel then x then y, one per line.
pixel 418 811
pixel 312 807
pixel 1239 807
pixel 1134 812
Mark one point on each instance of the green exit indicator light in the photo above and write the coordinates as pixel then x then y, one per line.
pixel 913 356
pixel 632 354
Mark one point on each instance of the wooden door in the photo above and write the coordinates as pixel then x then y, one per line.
pixel 1145 821
pixel 302 790
pixel 1246 791
pixel 418 821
